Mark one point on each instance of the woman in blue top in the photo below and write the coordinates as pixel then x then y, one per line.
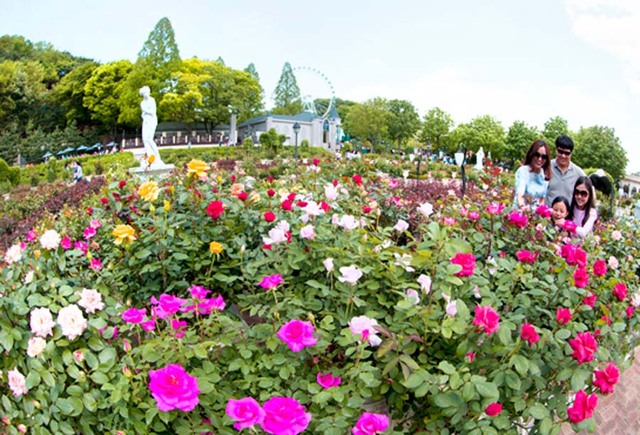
pixel 532 178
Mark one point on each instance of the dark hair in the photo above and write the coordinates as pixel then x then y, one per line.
pixel 564 141
pixel 591 203
pixel 535 146
pixel 562 199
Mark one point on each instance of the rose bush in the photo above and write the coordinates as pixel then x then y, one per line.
pixel 328 313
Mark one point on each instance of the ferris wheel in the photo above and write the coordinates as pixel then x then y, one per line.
pixel 316 91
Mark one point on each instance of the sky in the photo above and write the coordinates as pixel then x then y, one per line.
pixel 513 60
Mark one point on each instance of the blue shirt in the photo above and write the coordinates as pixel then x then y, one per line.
pixel 531 184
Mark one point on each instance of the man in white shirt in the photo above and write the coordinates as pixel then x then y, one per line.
pixel 564 173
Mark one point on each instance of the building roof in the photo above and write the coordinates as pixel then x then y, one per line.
pixel 303 117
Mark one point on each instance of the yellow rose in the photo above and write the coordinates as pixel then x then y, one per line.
pixel 167 205
pixel 152 209
pixel 36 253
pixel 151 159
pixel 197 168
pixel 215 247
pixel 124 234
pixel 149 190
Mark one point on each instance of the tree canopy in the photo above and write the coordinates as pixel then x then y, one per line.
pixel 287 93
pixel 599 147
pixel 436 125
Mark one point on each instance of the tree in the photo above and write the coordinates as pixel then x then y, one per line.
pixel 103 91
pixel 220 60
pixel 519 138
pixel 599 147
pixel 205 91
pixel 69 94
pixel 157 63
pixel 368 120
pixel 403 120
pixel 251 70
pixel 21 91
pixel 287 93
pixel 436 124
pixel 483 131
pixel 553 128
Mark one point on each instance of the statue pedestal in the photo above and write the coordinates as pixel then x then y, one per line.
pixel 153 171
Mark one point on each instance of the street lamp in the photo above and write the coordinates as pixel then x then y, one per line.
pixel 461 156
pixel 296 130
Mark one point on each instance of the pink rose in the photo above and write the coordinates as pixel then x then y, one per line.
pixel 473 216
pixel 327 381
pixel 487 319
pixel 493 409
pixel 529 334
pixel 580 277
pixel 199 292
pixel 584 347
pixel 91 300
pixel 246 412
pixel 583 407
pixel 370 424
pixel 271 281
pixel 41 322
pixel 590 300
pixel 525 256
pixel 543 211
pixel 284 416
pixel 517 219
pixel 563 316
pixel 569 226
pixel 134 315
pixel 574 255
pixel 167 305
pixel 620 291
pixel 297 334
pixel 600 268
pixel 174 388
pixel 495 208
pixel 17 383
pixel 466 261
pixel 607 379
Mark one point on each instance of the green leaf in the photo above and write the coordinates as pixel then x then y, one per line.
pixel 488 390
pixel 521 364
pixel 579 379
pixel 538 411
pixel 563 334
pixel 99 378
pixel 415 380
pixel 33 380
pixel 447 367
pixel 409 362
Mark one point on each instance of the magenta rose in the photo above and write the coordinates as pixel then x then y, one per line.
pixel 580 277
pixel 328 381
pixel 529 334
pixel 583 407
pixel 525 256
pixel 563 316
pixel 487 319
pixel 134 315
pixel 584 347
pixel 167 306
pixel 271 281
pixel 607 379
pixel 517 219
pixel 284 416
pixel 370 424
pixel 600 268
pixel 493 409
pixel 466 261
pixel 620 291
pixel 544 211
pixel 246 412
pixel 174 388
pixel 297 334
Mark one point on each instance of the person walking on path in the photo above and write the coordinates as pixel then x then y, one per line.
pixel 564 172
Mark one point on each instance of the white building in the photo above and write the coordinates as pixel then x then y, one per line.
pixel 317 131
pixel 631 184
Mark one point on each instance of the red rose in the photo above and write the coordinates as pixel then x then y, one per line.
pixel 89 211
pixel 122 183
pixel 493 409
pixel 269 216
pixel 487 319
pixel 215 209
pixel 583 407
pixel 630 310
pixel 287 205
pixel 233 178
pixel 270 178
pixel 266 247
pixel 357 179
pixel 366 209
pixel 584 347
pixel 316 162
pixel 590 300
pixel 104 200
pixel 242 196
pixel 325 207
pixel 301 204
pixel 466 261
pixel 291 197
pixel 271 192
pixel 335 182
pixel 525 256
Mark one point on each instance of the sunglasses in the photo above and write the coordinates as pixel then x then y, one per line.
pixel 564 153
pixel 582 193
pixel 537 155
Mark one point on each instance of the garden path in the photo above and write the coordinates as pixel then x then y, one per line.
pixel 619 413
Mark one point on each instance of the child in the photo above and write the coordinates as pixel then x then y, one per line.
pixel 560 210
pixel 583 207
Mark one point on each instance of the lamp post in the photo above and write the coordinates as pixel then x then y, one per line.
pixel 461 156
pixel 296 130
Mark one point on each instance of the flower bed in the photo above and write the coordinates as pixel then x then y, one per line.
pixel 328 300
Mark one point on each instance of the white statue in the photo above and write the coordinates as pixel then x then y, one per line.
pixel 479 159
pixel 149 124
